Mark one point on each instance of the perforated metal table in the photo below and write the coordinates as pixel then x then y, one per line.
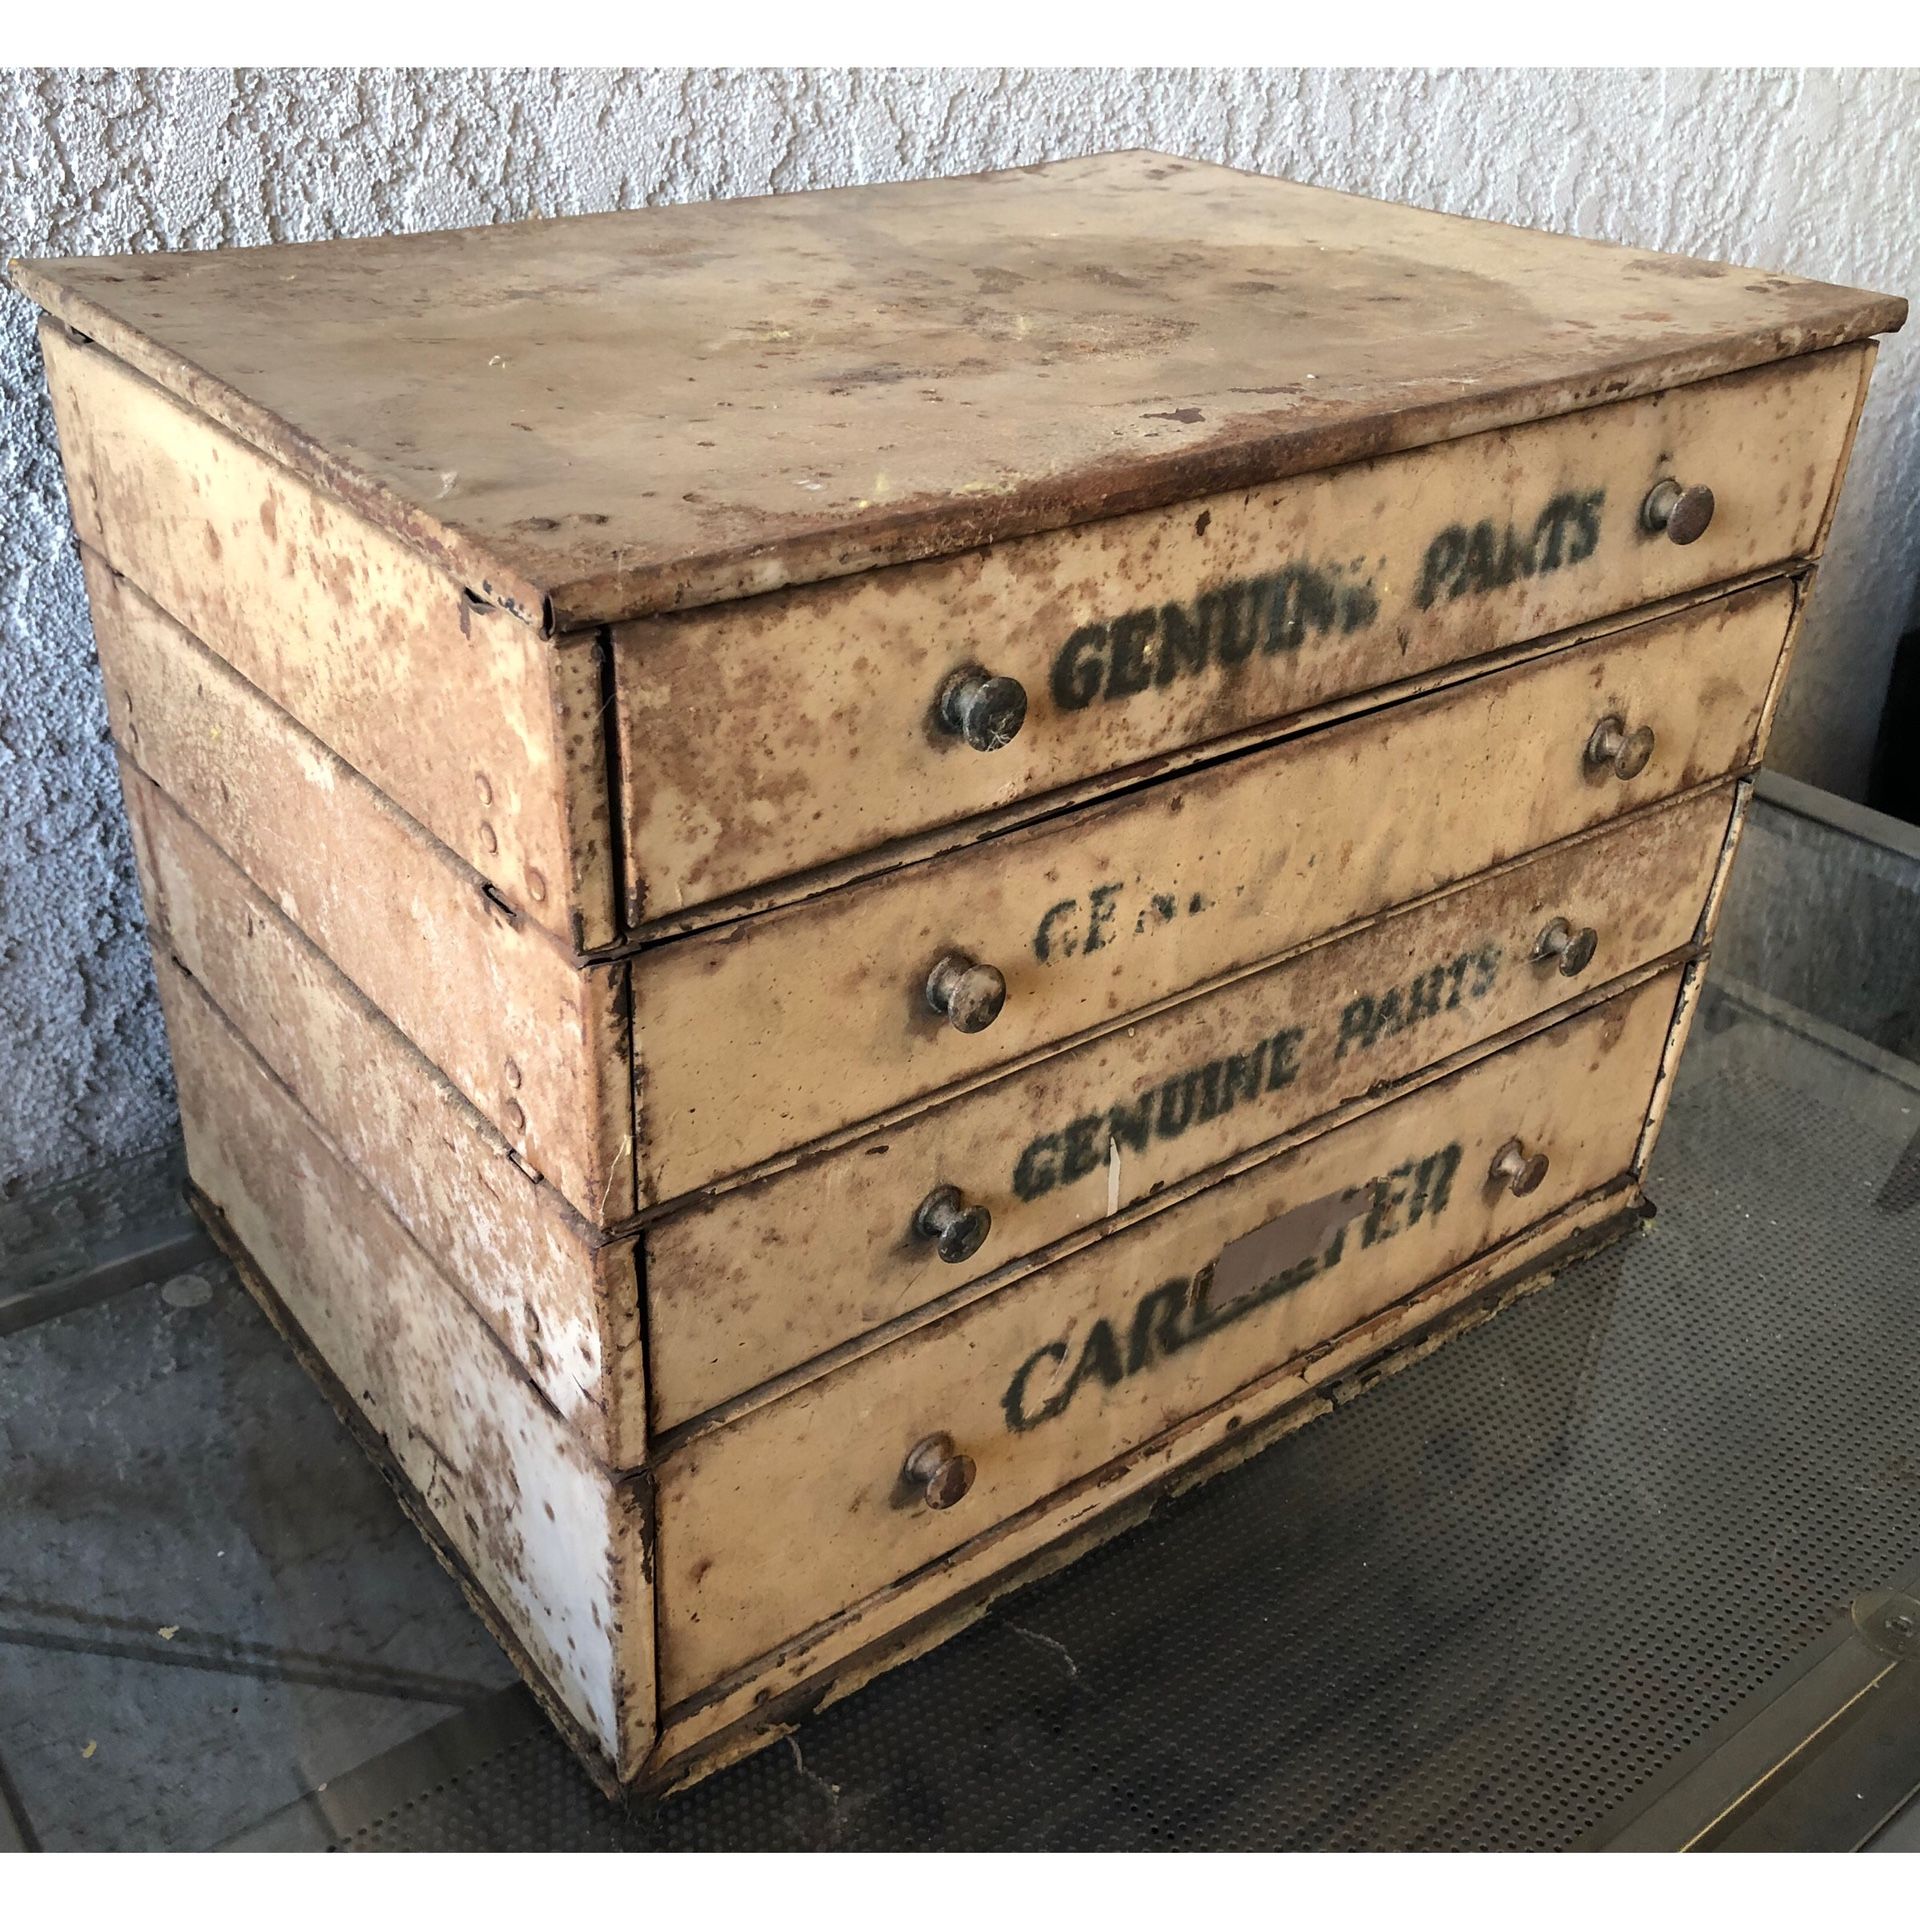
pixel 1624 1567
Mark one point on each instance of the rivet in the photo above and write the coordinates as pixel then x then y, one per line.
pixel 484 788
pixel 510 1073
pixel 489 840
pixel 536 883
pixel 514 1117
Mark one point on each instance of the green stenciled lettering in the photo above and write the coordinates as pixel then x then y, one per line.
pixel 1283 1058
pixel 1130 655
pixel 1183 642
pixel 1241 1080
pixel 1014 1401
pixel 1037 1171
pixel 1048 940
pixel 1433 1184
pixel 1389 1193
pixel 1356 1025
pixel 1226 615
pixel 1082 1152
pixel 1100 915
pixel 1132 1124
pixel 1176 1107
pixel 1446 555
pixel 1176 1313
pixel 1079 668
pixel 1156 1325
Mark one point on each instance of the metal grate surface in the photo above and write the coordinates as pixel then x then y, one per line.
pixel 1477 1608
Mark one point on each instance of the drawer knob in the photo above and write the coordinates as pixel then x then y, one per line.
pixel 985 709
pixel 969 994
pixel 1683 514
pixel 1573 948
pixel 1516 1169
pixel 1611 744
pixel 942 1474
pixel 957 1230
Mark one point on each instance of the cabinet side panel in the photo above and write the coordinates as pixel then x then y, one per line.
pixel 445 703
pixel 533 1518
pixel 560 1299
pixel 535 1043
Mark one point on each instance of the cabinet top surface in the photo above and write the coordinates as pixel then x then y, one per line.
pixel 610 415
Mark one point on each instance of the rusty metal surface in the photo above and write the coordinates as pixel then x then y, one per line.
pixel 453 709
pixel 778 1521
pixel 540 1526
pixel 538 1044
pixel 560 1300
pixel 769 737
pixel 1122 906
pixel 600 417
pixel 802 1269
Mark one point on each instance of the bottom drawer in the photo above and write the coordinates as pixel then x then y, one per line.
pixel 792 1513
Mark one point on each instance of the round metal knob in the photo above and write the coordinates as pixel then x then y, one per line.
pixel 942 1474
pixel 1559 940
pixel 969 994
pixel 1683 514
pixel 1516 1169
pixel 1612 745
pixel 985 709
pixel 958 1231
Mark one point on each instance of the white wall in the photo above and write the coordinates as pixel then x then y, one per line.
pixel 1815 173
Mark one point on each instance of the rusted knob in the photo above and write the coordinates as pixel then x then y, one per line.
pixel 1516 1169
pixel 942 1474
pixel 968 993
pixel 1573 948
pixel 1683 514
pixel 985 709
pixel 958 1231
pixel 1611 744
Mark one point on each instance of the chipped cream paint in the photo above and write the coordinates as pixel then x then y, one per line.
pixel 1500 768
pixel 723 710
pixel 822 1466
pixel 814 1259
pixel 1816 173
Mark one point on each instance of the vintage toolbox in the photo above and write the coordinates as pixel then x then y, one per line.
pixel 842 882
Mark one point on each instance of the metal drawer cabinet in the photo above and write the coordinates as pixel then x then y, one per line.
pixel 837 879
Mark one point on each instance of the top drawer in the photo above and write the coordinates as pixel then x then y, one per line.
pixel 780 733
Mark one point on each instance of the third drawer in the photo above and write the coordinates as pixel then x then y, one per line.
pixel 776 1271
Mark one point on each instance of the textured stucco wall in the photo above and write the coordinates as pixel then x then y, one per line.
pixel 1815 173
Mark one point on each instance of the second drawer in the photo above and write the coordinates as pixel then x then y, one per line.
pixel 779 1031
pixel 779 1270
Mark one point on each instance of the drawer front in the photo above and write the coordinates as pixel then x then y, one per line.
pixel 796 728
pixel 780 1270
pixel 1122 905
pixel 780 1520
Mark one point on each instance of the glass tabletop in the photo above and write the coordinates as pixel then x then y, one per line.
pixel 1580 1578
